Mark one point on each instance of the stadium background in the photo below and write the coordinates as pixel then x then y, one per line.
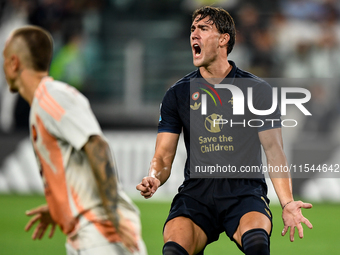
pixel 124 54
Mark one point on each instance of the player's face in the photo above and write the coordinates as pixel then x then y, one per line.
pixel 204 41
pixel 8 70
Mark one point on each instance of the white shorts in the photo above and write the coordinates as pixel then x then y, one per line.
pixel 109 249
pixel 93 238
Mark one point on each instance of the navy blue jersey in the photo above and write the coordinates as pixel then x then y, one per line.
pixel 238 144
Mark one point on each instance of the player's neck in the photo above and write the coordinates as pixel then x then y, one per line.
pixel 30 81
pixel 216 72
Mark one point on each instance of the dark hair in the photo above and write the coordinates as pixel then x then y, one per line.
pixel 40 46
pixel 222 20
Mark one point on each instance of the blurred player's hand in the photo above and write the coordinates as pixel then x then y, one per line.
pixel 292 217
pixel 148 186
pixel 127 234
pixel 42 215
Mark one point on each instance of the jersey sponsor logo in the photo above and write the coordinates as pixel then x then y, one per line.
pixel 213 124
pixel 195 106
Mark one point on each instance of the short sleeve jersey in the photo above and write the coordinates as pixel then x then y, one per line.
pixel 244 147
pixel 61 122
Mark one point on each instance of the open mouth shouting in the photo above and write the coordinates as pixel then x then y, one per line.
pixel 196 50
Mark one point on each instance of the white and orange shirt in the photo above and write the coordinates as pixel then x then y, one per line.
pixel 61 122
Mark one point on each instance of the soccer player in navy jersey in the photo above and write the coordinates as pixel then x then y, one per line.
pixel 206 207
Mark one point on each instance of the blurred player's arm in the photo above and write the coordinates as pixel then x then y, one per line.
pixel 42 215
pixel 100 158
pixel 272 143
pixel 99 155
pixel 160 166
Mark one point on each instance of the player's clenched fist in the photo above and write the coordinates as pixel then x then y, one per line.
pixel 148 186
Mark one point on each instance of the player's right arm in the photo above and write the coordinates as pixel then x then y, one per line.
pixel 160 166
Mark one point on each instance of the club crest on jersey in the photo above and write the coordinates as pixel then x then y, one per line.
pixel 195 106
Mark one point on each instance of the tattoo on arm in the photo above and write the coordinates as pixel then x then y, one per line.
pixel 99 155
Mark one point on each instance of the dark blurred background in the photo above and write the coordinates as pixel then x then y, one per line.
pixel 124 54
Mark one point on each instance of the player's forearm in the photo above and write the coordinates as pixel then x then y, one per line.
pixel 100 158
pixel 160 168
pixel 281 180
pixel 272 143
pixel 283 189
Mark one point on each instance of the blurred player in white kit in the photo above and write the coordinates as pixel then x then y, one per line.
pixel 80 178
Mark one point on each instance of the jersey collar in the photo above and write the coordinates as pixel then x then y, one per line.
pixel 231 74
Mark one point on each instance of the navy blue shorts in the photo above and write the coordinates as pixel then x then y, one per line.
pixel 217 205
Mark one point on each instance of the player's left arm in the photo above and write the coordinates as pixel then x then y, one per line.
pixel 100 158
pixel 272 143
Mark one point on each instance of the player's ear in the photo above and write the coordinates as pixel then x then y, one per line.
pixel 224 39
pixel 14 63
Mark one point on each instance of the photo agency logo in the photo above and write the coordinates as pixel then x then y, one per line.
pixel 215 122
pixel 226 118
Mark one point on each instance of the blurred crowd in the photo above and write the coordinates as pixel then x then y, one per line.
pixel 297 39
pixel 73 26
pixel 275 39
